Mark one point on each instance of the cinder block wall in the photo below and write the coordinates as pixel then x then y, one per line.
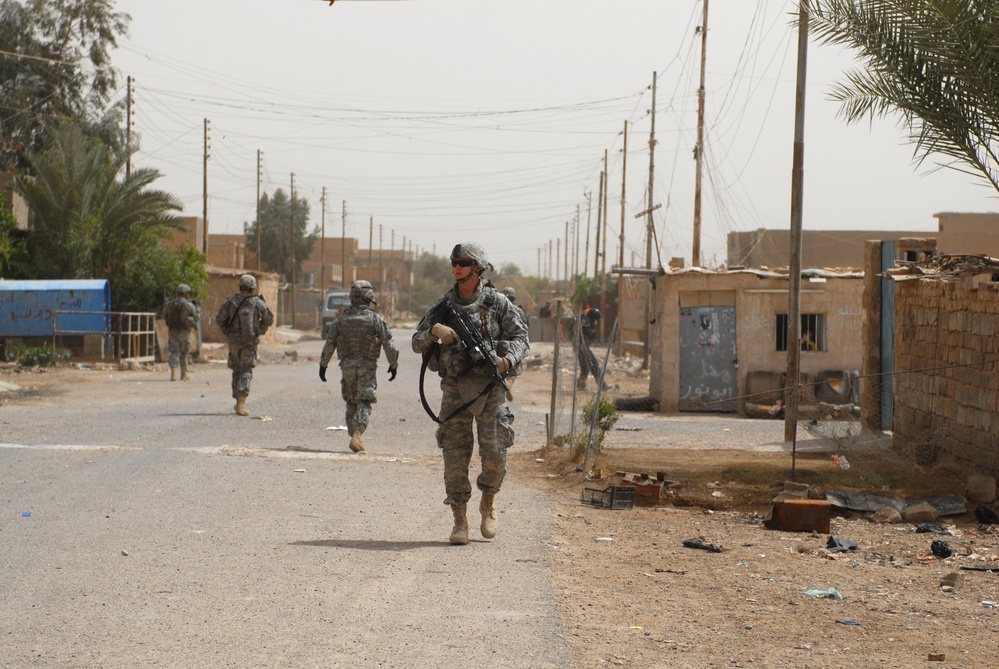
pixel 946 400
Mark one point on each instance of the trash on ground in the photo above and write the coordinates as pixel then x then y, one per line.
pixel 941 549
pixel 952 505
pixel 986 515
pixel 828 593
pixel 843 621
pixel 299 471
pixel 930 527
pixel 337 427
pixel 837 545
pixel 701 545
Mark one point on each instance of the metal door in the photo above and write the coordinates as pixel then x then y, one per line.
pixel 707 359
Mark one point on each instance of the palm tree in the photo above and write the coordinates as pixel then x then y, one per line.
pixel 87 223
pixel 933 64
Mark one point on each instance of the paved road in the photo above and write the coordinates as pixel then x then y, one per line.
pixel 145 524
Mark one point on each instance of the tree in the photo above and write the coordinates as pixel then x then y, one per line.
pixel 431 278
pixel 12 249
pixel 89 224
pixel 933 64
pixel 275 233
pixel 57 67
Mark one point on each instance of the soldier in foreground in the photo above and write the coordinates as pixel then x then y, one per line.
pixel 472 387
pixel 358 337
pixel 181 316
pixel 243 318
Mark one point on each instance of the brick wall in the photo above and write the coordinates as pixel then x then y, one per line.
pixel 946 399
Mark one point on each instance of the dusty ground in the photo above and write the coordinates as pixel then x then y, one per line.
pixel 632 595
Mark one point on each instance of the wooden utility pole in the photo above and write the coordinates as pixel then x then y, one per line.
pixel 204 195
pixel 603 256
pixel 586 245
pixel 291 219
pixel 649 228
pixel 260 167
pixel 371 241
pixel 322 247
pixel 128 126
pixel 620 241
pixel 695 254
pixel 600 220
pixel 343 244
pixel 794 271
pixel 565 262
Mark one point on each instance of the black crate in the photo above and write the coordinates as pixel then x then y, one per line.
pixel 614 497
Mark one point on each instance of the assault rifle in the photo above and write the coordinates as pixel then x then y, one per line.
pixel 470 340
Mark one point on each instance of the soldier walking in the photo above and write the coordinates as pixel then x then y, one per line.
pixel 243 318
pixel 469 393
pixel 181 316
pixel 358 336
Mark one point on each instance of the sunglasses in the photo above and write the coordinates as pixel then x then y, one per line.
pixel 461 262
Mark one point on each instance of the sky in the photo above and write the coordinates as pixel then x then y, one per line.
pixel 431 122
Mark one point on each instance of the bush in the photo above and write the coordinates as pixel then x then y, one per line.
pixel 607 416
pixel 38 356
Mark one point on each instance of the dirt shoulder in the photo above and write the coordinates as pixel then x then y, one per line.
pixel 633 595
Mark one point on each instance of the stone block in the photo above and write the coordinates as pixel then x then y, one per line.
pixel 799 515
pixel 981 489
pixel 922 512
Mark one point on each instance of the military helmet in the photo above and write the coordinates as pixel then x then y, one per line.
pixel 247 281
pixel 183 289
pixel 510 292
pixel 361 292
pixel 472 251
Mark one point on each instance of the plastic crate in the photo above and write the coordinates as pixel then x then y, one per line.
pixel 614 497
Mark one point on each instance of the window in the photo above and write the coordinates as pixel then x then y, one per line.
pixel 813 332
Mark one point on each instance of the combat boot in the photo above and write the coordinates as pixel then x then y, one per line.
pixel 356 443
pixel 459 535
pixel 241 406
pixel 173 373
pixel 488 512
pixel 184 376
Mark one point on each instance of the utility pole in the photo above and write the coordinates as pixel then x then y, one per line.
pixel 260 167
pixel 603 256
pixel 381 263
pixel 600 220
pixel 695 254
pixel 586 245
pixel 343 244
pixel 649 228
pixel 292 249
pixel 620 241
pixel 794 271
pixel 371 241
pixel 322 247
pixel 128 126
pixel 204 195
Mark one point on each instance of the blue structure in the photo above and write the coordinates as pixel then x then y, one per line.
pixel 29 308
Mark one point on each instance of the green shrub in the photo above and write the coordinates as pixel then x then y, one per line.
pixel 38 356
pixel 607 416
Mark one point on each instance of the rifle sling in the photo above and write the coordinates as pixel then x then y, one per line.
pixel 426 405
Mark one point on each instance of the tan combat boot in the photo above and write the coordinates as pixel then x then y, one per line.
pixel 356 443
pixel 173 373
pixel 488 515
pixel 241 406
pixel 459 535
pixel 184 376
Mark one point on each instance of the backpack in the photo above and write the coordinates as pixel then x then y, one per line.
pixel 246 316
pixel 174 315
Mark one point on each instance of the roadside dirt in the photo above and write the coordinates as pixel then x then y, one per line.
pixel 633 595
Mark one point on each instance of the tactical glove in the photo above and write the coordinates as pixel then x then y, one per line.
pixel 444 333
pixel 392 372
pixel 322 373
pixel 501 363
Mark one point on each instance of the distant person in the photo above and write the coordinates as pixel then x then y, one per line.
pixel 588 365
pixel 358 337
pixel 470 394
pixel 181 316
pixel 808 341
pixel 511 294
pixel 590 320
pixel 243 318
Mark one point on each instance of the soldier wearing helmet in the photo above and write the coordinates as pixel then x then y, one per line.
pixel 469 394
pixel 358 337
pixel 242 319
pixel 511 294
pixel 181 316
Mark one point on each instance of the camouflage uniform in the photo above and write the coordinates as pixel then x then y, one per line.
pixel 358 337
pixel 501 325
pixel 179 337
pixel 243 341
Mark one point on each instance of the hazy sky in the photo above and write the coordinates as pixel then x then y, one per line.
pixel 487 120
